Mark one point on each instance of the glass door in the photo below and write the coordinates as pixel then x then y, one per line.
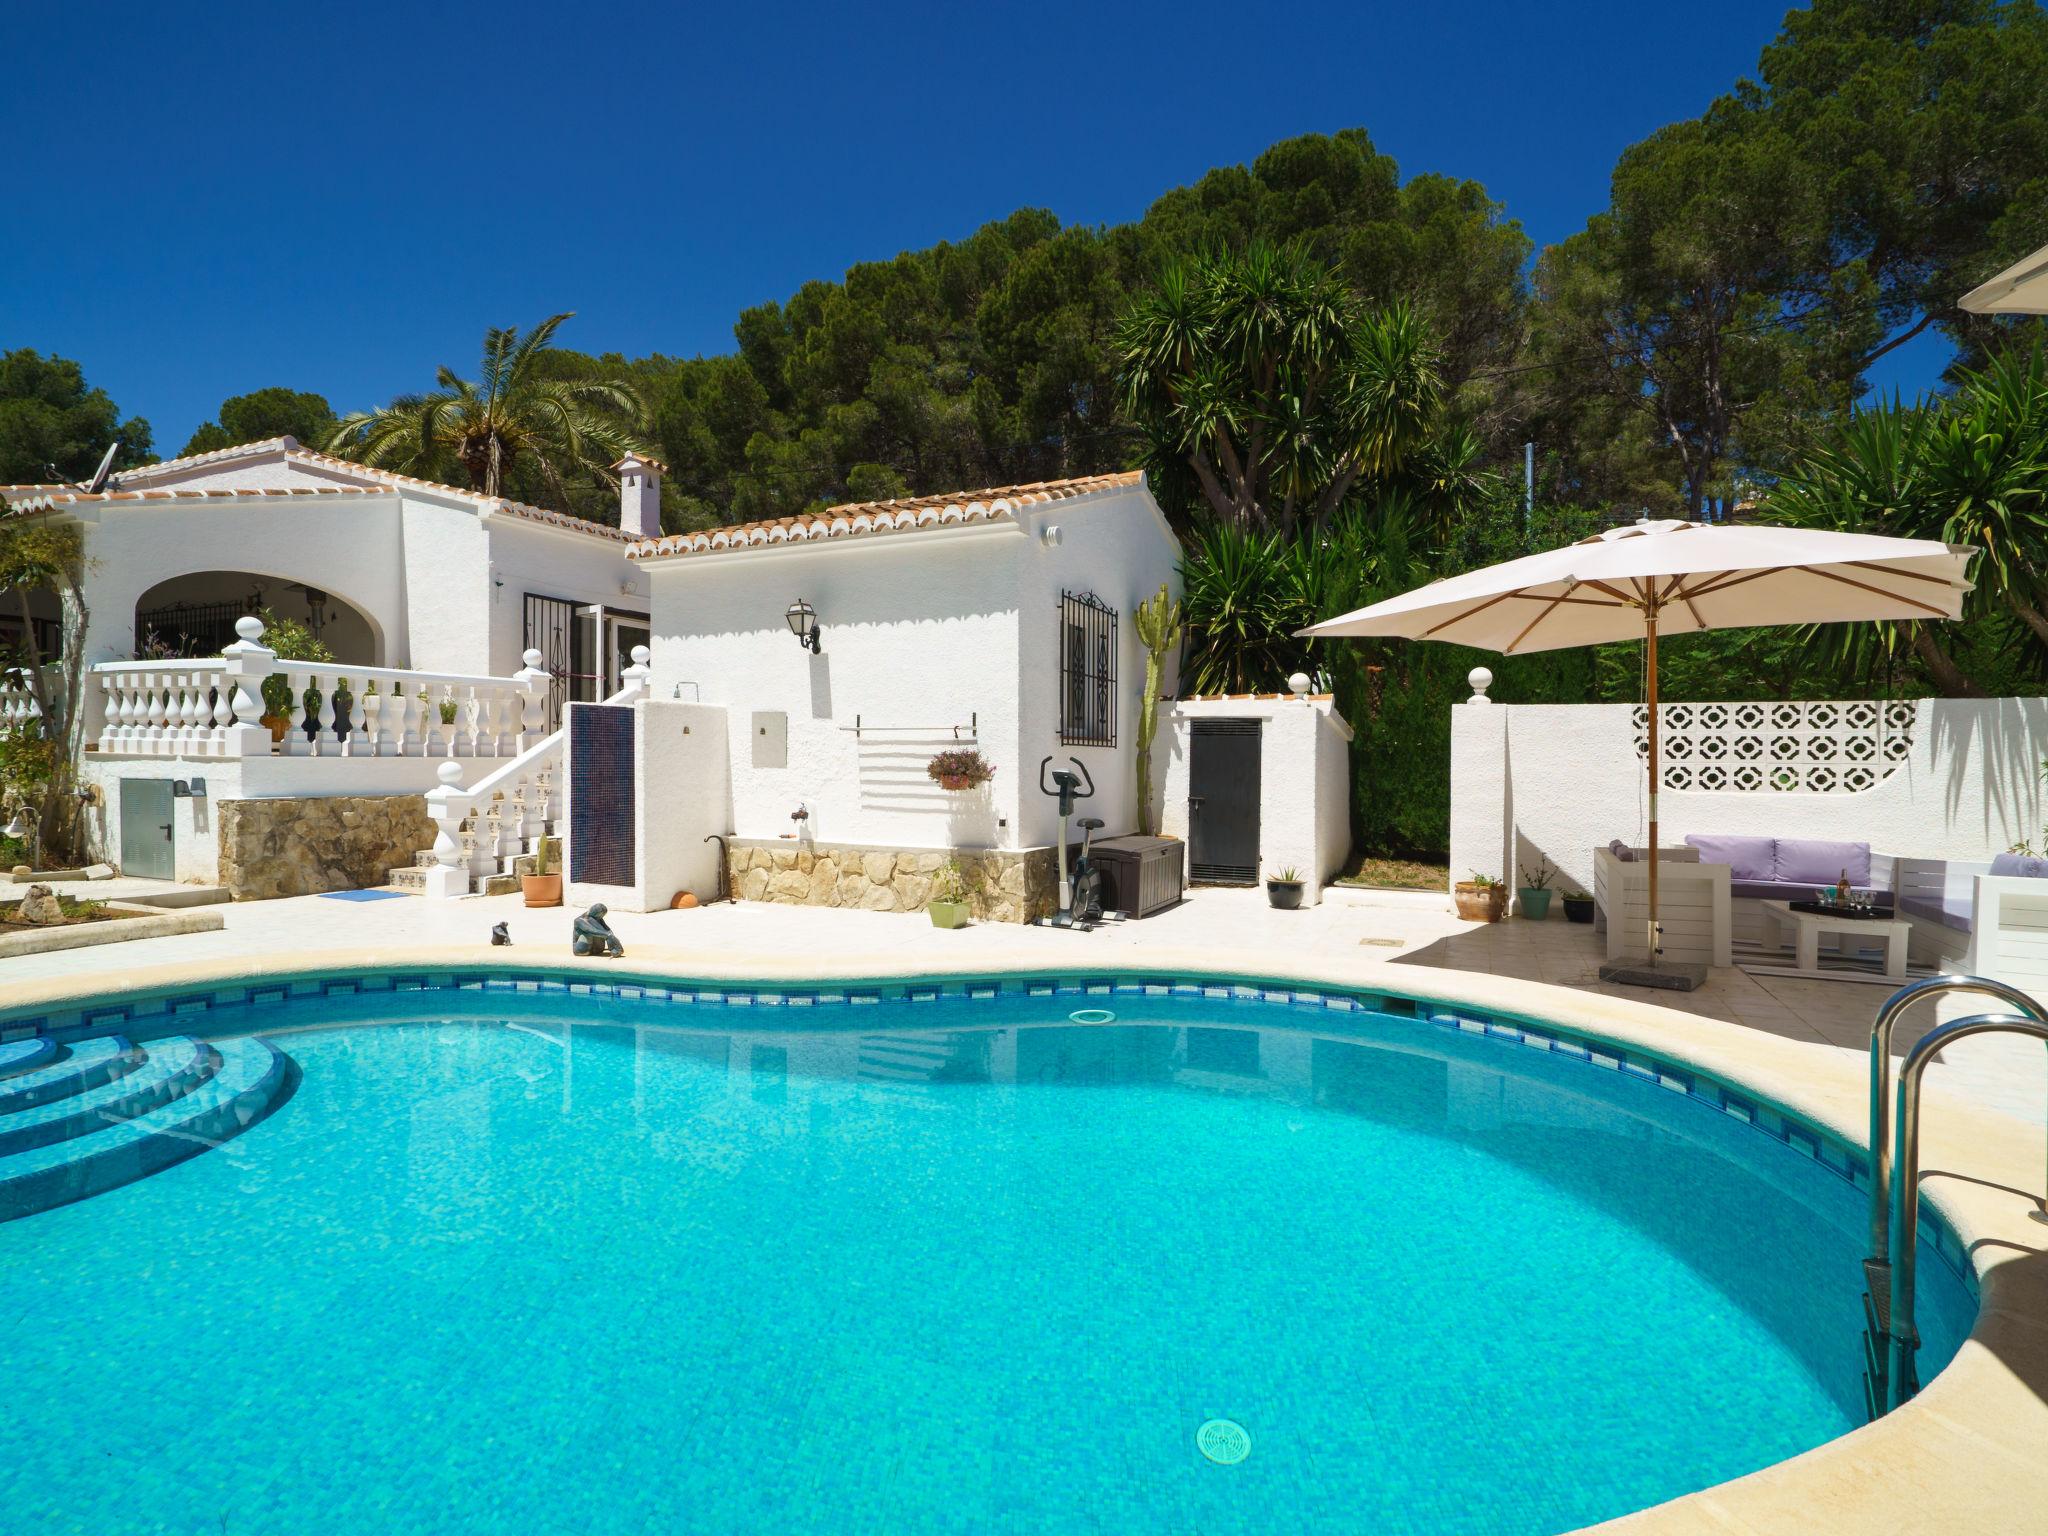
pixel 627 631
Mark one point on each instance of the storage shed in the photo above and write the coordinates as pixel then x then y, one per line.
pixel 1258 784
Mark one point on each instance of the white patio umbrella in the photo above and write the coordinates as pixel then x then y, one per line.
pixel 1636 582
pixel 2021 289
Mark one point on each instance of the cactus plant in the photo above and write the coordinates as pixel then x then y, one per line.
pixel 1158 626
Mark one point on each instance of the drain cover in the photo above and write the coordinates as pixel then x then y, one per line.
pixel 1092 1016
pixel 1223 1442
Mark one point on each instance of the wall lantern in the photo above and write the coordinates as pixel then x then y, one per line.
pixel 21 826
pixel 803 623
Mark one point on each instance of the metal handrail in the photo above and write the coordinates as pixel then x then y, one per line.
pixel 1888 1016
pixel 1905 1225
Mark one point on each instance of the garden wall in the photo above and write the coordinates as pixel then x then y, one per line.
pixel 298 847
pixel 1004 885
pixel 1935 778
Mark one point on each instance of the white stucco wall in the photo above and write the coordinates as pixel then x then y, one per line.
pixel 1304 781
pixel 524 556
pixel 919 631
pixel 688 742
pixel 195 846
pixel 1557 781
pixel 441 587
pixel 347 545
pixel 1120 549
pixel 922 631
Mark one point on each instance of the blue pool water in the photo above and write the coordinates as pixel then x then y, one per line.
pixel 518 1264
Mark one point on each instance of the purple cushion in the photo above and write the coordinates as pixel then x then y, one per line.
pixel 2032 866
pixel 1768 890
pixel 1807 861
pixel 1747 858
pixel 1623 854
pixel 1950 911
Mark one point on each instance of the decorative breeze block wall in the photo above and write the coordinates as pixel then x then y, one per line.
pixel 1829 747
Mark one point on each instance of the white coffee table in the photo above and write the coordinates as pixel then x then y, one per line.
pixel 1807 928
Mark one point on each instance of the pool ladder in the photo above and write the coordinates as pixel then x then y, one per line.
pixel 1890 1338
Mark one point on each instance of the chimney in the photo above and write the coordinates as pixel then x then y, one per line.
pixel 640 496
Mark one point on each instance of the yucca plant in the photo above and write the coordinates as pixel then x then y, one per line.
pixel 1972 469
pixel 516 411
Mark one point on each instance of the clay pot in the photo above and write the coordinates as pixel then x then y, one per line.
pixel 955 781
pixel 541 890
pixel 684 900
pixel 1480 903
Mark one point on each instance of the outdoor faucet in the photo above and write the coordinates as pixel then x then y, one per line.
pixel 801 813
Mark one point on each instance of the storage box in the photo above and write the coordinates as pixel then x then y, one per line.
pixel 1140 875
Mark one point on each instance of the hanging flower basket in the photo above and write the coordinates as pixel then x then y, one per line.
pixel 962 768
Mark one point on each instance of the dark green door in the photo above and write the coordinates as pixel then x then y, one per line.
pixel 146 829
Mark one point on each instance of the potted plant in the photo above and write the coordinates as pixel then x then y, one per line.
pixel 1481 899
pixel 1284 889
pixel 1578 906
pixel 959 768
pixel 543 888
pixel 1533 898
pixel 289 640
pixel 948 904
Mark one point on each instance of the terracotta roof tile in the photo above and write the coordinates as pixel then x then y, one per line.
pixel 290 448
pixel 863 518
pixel 50 500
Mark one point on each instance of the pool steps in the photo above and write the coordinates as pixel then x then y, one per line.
pixel 169 1070
pixel 85 1066
pixel 18 1056
pixel 180 1098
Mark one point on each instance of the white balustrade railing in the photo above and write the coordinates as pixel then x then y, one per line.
pixel 17 704
pixel 214 707
pixel 471 839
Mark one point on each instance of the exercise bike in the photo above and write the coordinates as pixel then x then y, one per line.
pixel 1081 893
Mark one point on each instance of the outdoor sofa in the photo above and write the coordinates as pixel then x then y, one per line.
pixel 1979 919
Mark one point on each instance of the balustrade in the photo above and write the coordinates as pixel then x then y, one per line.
pixel 215 707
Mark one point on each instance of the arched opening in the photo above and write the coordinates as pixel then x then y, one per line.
pixel 195 614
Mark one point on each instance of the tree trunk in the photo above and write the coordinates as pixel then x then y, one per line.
pixel 1948 677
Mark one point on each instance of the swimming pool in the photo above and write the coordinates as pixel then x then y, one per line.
pixel 538 1255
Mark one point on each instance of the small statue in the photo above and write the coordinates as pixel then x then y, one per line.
pixel 501 933
pixel 39 905
pixel 595 937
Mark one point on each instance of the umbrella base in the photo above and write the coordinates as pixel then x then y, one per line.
pixel 1641 973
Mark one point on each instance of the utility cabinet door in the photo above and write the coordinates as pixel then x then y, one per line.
pixel 1223 801
pixel 146 829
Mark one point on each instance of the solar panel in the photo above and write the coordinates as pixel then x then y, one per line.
pixel 601 794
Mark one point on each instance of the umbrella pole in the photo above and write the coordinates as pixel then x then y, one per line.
pixel 1650 665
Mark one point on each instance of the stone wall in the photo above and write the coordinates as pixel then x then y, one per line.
pixel 1004 886
pixel 297 847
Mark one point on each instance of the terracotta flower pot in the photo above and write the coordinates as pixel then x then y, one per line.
pixel 541 890
pixel 957 781
pixel 1480 903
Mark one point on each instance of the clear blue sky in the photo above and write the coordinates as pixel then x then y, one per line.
pixel 212 199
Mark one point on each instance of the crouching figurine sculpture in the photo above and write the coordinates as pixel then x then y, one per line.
pixel 594 935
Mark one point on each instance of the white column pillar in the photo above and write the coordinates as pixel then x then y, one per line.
pixel 533 682
pixel 244 665
pixel 448 806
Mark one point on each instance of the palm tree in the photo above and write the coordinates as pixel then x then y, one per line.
pixel 1265 389
pixel 1969 469
pixel 519 411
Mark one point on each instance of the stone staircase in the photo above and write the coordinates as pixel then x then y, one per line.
pixel 497 839
pixel 80 1120
pixel 488 832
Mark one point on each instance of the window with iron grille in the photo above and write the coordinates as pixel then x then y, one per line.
pixel 1087 671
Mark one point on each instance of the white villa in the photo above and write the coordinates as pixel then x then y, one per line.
pixel 503 672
